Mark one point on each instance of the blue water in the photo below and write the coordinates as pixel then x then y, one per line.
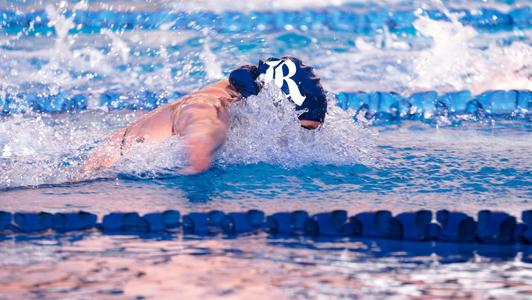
pixel 74 72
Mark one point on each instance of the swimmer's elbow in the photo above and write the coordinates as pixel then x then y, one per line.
pixel 200 167
pixel 197 166
pixel 199 157
pixel 201 147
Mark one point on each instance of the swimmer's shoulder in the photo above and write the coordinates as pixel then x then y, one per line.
pixel 220 89
pixel 213 96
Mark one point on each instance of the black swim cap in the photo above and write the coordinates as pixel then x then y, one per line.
pixel 295 79
pixel 243 79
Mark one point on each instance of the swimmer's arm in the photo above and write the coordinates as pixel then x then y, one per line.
pixel 106 155
pixel 202 137
pixel 203 129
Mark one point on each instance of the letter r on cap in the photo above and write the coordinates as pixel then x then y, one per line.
pixel 275 72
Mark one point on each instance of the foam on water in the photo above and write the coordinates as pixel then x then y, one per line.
pixel 268 131
pixel 39 149
pixel 454 63
pixel 446 56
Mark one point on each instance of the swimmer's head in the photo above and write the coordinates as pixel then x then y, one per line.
pixel 295 79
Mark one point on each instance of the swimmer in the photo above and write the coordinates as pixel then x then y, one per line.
pixel 202 117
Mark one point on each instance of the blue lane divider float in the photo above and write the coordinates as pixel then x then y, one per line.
pixel 19 102
pixel 381 106
pixel 287 223
pixel 456 227
pixel 29 222
pixel 389 106
pixel 203 222
pixel 417 226
pixel 379 224
pixel 490 227
pixel 124 222
pixel 329 224
pixel 162 221
pixel 63 222
pixel 338 19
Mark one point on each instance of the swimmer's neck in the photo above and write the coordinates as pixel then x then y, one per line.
pixel 227 87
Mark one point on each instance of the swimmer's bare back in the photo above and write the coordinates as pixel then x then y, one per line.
pixel 200 118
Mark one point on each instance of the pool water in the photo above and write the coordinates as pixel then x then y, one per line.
pixel 74 72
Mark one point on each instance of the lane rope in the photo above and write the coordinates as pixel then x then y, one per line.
pixel 380 105
pixel 490 227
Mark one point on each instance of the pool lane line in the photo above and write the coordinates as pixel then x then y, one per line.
pixel 379 105
pixel 490 227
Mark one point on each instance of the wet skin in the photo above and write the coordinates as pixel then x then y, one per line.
pixel 200 118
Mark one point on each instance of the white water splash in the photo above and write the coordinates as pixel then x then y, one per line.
pixel 119 48
pixel 447 56
pixel 37 149
pixel 212 66
pixel 60 23
pixel 71 62
pixel 453 62
pixel 153 160
pixel 268 131
pixel 435 66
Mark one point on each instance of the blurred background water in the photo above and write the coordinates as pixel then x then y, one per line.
pixel 75 71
